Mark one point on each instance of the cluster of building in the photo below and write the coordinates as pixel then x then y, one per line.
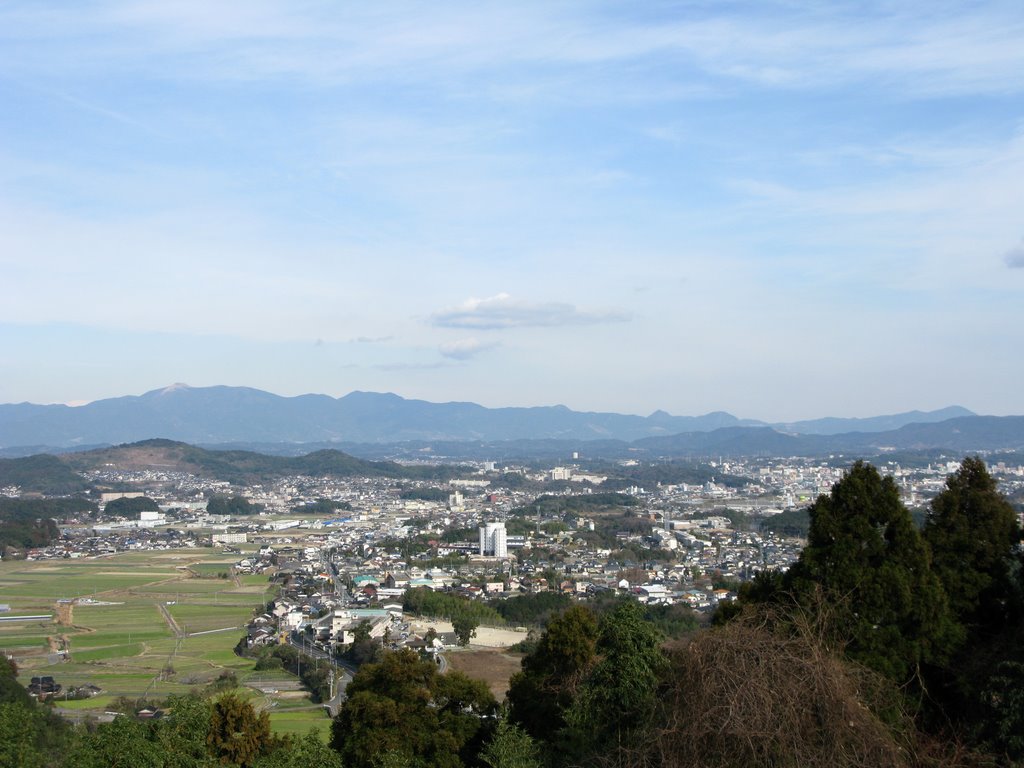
pixel 686 542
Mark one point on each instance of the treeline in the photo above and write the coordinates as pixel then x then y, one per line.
pixel 127 507
pixel 532 609
pixel 425 494
pixel 231 505
pixel 551 506
pixel 29 523
pixel 540 608
pixel 322 507
pixel 424 601
pixel 669 473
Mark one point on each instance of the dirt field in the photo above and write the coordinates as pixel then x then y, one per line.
pixel 493 667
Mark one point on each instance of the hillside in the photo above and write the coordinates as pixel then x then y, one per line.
pixel 242 466
pixel 41 474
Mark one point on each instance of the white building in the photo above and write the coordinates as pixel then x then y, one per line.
pixel 493 540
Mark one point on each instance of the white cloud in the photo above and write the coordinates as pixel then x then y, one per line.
pixel 502 311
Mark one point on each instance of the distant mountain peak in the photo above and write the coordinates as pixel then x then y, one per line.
pixel 176 387
pixel 232 414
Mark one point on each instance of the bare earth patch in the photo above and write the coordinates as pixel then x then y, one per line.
pixel 493 667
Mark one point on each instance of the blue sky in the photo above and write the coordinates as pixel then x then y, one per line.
pixel 780 209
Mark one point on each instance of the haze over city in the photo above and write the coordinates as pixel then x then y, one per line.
pixel 783 210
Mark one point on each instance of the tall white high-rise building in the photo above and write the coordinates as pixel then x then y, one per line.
pixel 493 540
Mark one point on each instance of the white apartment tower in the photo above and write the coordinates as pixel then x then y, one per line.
pixel 493 540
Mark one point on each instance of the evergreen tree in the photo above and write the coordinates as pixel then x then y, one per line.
pixel 465 628
pixel 19 735
pixel 541 694
pixel 619 696
pixel 405 709
pixel 124 743
pixel 307 752
pixel 238 735
pixel 865 553
pixel 182 734
pixel 510 747
pixel 972 530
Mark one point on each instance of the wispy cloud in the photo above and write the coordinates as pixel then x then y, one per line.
pixel 503 311
pixel 1014 258
pixel 925 47
pixel 412 366
pixel 465 349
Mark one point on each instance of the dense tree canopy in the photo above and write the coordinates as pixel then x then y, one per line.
pixel 238 735
pixel 231 505
pixel 618 697
pixel 404 708
pixel 27 523
pixel 542 693
pixel 866 555
pixel 128 507
pixel 972 530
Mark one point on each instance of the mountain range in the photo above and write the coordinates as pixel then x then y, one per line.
pixel 241 415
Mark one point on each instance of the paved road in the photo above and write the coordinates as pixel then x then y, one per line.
pixel 341 681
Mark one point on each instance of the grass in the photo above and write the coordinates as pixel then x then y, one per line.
pixel 111 652
pixel 202 617
pixel 299 722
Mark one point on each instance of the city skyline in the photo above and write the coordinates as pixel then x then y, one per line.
pixel 778 210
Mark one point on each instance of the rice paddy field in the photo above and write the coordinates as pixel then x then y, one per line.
pixel 141 624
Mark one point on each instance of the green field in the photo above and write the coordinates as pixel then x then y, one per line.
pixel 127 647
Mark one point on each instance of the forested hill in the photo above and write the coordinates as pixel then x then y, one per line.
pixel 41 473
pixel 246 466
pixel 61 474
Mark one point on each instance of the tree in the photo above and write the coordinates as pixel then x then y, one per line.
pixel 403 707
pixel 307 752
pixel 465 628
pixel 619 696
pixel 124 743
pixel 866 555
pixel 10 689
pixel 1003 705
pixel 19 726
pixel 238 735
pixel 361 633
pixel 541 694
pixel 363 648
pixel 182 734
pixel 972 531
pixel 510 747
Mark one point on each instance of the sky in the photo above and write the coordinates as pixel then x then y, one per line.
pixel 777 208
